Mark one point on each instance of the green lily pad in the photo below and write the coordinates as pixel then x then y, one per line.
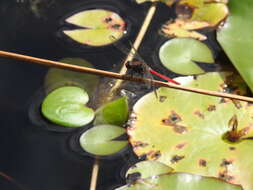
pixel 149 168
pixel 194 133
pixel 236 39
pixel 98 25
pixel 115 112
pixel 101 140
pixel 56 78
pixel 179 54
pixel 66 106
pixel 180 181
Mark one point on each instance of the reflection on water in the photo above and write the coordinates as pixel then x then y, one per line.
pixel 37 158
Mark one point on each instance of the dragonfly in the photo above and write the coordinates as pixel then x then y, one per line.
pixel 138 66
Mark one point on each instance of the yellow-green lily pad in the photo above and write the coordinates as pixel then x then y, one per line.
pixel 180 54
pixel 180 181
pixel 96 27
pixel 193 15
pixel 101 140
pixel 65 106
pixel 115 112
pixel 56 78
pixel 195 133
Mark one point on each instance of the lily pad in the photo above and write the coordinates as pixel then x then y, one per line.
pixel 56 78
pixel 66 106
pixel 115 112
pixel 97 26
pixel 179 55
pixel 195 133
pixel 184 29
pixel 149 168
pixel 101 140
pixel 167 2
pixel 180 181
pixel 194 15
pixel 236 38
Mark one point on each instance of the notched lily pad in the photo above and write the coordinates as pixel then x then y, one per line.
pixel 194 133
pixel 101 140
pixel 180 181
pixel 65 106
pixel 115 112
pixel 180 54
pixel 96 27
pixel 56 78
pixel 148 169
pixel 194 15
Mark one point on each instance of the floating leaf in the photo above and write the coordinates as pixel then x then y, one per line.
pixel 183 29
pixel 194 15
pixel 180 181
pixel 236 39
pixel 66 106
pixel 196 133
pixel 167 2
pixel 97 27
pixel 115 112
pixel 56 78
pixel 179 55
pixel 149 169
pixel 101 140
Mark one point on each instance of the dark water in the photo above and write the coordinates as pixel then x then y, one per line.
pixel 37 158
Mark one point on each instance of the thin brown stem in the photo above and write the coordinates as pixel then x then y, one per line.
pixel 76 68
pixel 94 176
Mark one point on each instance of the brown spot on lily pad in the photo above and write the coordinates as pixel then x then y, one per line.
pixel 211 108
pixel 237 104
pixel 181 145
pixel 138 144
pixel 202 162
pixel 225 176
pixel 173 119
pixel 232 148
pixel 225 163
pixel 176 158
pixel 162 98
pixel 199 114
pixel 154 155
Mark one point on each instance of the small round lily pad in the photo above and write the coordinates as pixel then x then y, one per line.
pixel 65 106
pixel 179 54
pixel 115 112
pixel 97 26
pixel 101 140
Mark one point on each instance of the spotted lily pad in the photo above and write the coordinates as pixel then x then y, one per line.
pixel 183 29
pixel 96 27
pixel 236 38
pixel 195 133
pixel 194 15
pixel 66 106
pixel 179 54
pixel 180 181
pixel 149 168
pixel 102 140
pixel 115 112
pixel 56 78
